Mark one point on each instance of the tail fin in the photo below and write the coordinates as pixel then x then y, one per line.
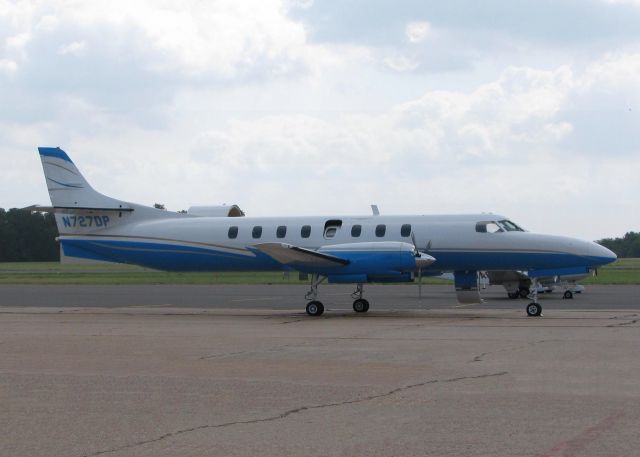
pixel 67 187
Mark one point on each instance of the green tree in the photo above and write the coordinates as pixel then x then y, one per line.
pixel 27 236
pixel 627 246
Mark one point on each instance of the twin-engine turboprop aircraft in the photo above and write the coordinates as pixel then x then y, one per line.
pixel 340 249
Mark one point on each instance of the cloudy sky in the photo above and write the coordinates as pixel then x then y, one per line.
pixel 526 108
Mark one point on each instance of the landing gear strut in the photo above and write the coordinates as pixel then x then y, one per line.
pixel 534 309
pixel 314 307
pixel 360 305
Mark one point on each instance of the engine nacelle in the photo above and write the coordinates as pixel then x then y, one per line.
pixel 381 258
pixel 216 211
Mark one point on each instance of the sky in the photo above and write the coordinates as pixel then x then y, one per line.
pixel 530 109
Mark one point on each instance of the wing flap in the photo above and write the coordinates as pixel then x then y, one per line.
pixel 288 254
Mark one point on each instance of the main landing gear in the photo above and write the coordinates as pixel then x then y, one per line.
pixel 534 309
pixel 360 305
pixel 316 308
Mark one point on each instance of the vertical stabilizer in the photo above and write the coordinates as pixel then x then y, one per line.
pixel 67 187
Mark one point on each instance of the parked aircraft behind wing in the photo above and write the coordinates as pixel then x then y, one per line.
pixel 340 249
pixel 518 284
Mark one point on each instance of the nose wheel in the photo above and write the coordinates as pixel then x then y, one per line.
pixel 534 310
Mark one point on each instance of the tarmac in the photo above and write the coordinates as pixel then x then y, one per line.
pixel 242 370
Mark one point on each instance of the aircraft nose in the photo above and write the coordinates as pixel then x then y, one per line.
pixel 424 260
pixel 601 254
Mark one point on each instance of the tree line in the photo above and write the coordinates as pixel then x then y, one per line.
pixel 27 236
pixel 627 246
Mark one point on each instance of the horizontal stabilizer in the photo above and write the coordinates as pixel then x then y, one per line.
pixel 288 254
pixel 71 209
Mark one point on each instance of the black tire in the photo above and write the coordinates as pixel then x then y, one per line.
pixel 568 295
pixel 361 305
pixel 513 295
pixel 534 309
pixel 524 292
pixel 315 308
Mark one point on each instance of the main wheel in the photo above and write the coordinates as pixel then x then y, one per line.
pixel 568 295
pixel 513 295
pixel 361 305
pixel 315 308
pixel 524 292
pixel 534 309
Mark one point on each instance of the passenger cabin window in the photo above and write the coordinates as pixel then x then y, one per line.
pixel 257 231
pixel 331 228
pixel 233 232
pixel 305 231
pixel 405 230
pixel 356 230
pixel 488 227
pixel 281 231
pixel 381 229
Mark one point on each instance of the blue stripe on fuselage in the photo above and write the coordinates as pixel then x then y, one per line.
pixel 168 257
pixel 488 260
pixel 176 257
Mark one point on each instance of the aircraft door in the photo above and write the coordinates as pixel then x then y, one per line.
pixel 331 228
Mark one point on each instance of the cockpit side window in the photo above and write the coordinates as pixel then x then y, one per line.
pixel 488 227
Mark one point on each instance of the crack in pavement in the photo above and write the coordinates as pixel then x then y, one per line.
pixel 625 316
pixel 621 324
pixel 480 357
pixel 253 352
pixel 297 411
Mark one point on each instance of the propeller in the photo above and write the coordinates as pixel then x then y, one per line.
pixel 422 260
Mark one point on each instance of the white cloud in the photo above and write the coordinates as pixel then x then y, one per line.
pixel 75 48
pixel 623 2
pixel 204 103
pixel 401 63
pixel 8 66
pixel 416 32
pixel 221 38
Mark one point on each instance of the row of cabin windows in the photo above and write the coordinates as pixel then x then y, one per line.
pixel 305 231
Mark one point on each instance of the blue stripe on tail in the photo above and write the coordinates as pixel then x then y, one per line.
pixel 54 152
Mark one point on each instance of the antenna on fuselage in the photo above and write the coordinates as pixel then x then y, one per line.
pixel 375 210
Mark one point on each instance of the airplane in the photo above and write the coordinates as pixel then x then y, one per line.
pixel 518 283
pixel 337 249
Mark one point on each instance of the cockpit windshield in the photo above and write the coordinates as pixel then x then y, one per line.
pixel 497 226
pixel 510 226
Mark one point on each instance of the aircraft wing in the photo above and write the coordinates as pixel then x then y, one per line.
pixel 288 254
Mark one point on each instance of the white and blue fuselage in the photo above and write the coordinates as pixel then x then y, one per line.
pixel 351 249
